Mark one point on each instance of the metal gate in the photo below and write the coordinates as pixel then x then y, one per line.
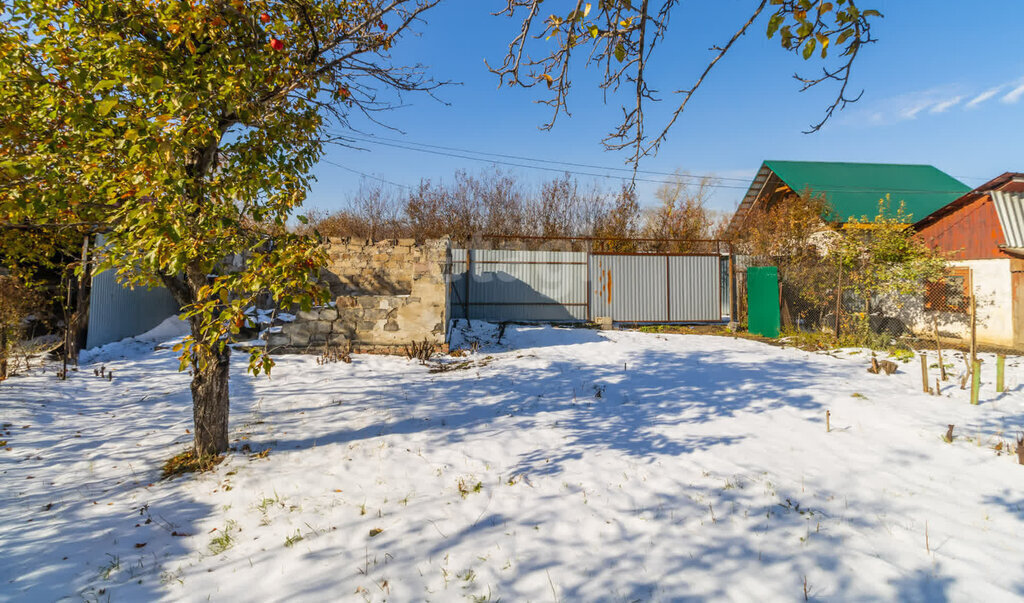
pixel 656 288
pixel 567 286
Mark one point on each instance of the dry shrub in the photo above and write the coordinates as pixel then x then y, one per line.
pixel 17 303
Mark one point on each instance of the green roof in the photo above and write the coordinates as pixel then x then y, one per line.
pixel 853 189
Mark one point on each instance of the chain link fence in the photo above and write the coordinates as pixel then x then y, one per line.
pixel 818 300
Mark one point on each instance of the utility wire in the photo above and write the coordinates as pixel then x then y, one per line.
pixel 467 154
pixel 365 175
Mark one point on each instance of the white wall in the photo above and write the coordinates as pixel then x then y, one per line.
pixel 993 291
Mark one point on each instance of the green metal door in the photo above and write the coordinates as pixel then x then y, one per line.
pixel 763 301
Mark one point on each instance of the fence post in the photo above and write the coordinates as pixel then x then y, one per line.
pixel 469 277
pixel 974 328
pixel 938 347
pixel 924 371
pixel 975 382
pixel 668 289
pixel 839 299
pixel 733 304
pixel 1000 371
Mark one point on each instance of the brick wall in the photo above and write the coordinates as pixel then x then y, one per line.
pixel 386 294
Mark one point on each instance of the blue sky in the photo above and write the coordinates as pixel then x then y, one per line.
pixel 943 86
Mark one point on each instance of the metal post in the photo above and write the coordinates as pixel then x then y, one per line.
pixel 733 304
pixel 469 276
pixel 668 291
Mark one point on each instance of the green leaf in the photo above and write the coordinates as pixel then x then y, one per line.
pixel 104 85
pixel 155 83
pixel 620 52
pixel 104 106
pixel 809 48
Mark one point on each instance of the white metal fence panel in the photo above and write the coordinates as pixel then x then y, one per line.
pixel 554 286
pixel 696 288
pixel 630 288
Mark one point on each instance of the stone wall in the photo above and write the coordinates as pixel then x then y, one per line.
pixel 386 295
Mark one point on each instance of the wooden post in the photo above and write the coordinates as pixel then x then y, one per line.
pixel 1000 371
pixel 839 297
pixel 828 417
pixel 974 329
pixel 975 382
pixel 924 372
pixel 938 348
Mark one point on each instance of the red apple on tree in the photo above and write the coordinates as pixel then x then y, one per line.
pixel 276 44
pixel 264 18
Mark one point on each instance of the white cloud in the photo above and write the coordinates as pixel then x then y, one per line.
pixel 984 96
pixel 1014 95
pixel 911 111
pixel 946 105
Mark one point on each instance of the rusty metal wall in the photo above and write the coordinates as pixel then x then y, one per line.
pixel 540 286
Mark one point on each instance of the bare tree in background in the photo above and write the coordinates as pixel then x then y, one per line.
pixel 680 214
pixel 620 222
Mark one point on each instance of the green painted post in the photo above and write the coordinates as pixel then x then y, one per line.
pixel 763 315
pixel 975 382
pixel 1000 371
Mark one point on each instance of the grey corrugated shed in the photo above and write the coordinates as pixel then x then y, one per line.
pixel 116 312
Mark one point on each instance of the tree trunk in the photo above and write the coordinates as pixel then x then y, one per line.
pixel 210 402
pixel 80 317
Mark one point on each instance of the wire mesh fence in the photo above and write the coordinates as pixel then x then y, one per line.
pixel 823 299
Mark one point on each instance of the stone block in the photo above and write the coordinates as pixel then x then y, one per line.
pixel 298 331
pixel 604 323
pixel 328 314
pixel 308 315
pixel 275 340
pixel 391 326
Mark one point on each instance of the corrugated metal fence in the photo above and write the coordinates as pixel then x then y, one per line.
pixel 568 286
pixel 116 312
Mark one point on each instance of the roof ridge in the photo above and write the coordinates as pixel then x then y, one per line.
pixel 871 163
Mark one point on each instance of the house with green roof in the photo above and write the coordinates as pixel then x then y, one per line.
pixel 851 189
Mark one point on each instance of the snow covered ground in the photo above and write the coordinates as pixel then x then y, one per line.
pixel 558 464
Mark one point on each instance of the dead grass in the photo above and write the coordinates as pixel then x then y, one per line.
pixel 189 462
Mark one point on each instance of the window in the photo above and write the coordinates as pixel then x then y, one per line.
pixel 952 294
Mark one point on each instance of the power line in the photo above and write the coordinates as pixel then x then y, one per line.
pixel 365 175
pixel 528 166
pixel 381 140
pixel 469 155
